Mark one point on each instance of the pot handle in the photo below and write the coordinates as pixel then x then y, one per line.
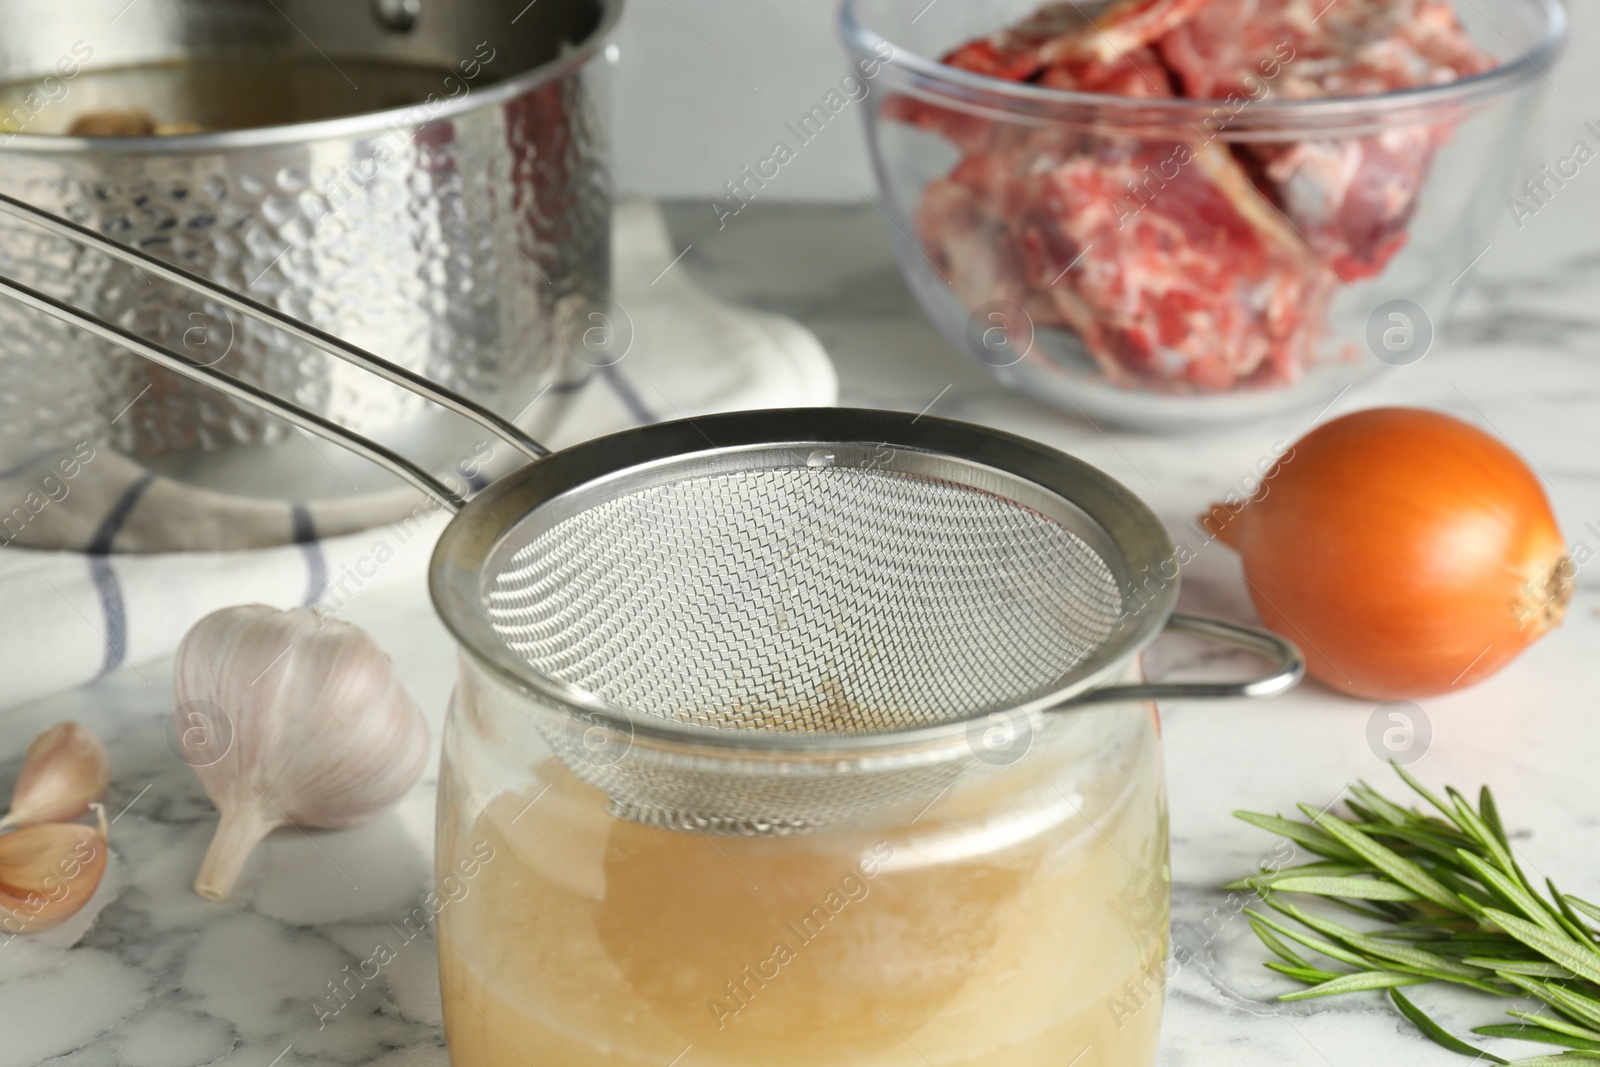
pixel 187 366
pixel 1290 667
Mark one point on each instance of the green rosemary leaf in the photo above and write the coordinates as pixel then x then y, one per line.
pixel 1328 869
pixel 1509 950
pixel 1308 975
pixel 1578 958
pixel 1463 952
pixel 1307 837
pixel 1437 1033
pixel 1363 813
pixel 1355 983
pixel 1514 894
pixel 1356 888
pixel 1560 1026
pixel 1523 1032
pixel 1447 901
pixel 1422 791
pixel 1435 936
pixel 1575 921
pixel 1491 814
pixel 1425 840
pixel 1388 861
pixel 1383 911
pixel 1372 946
pixel 1316 944
pixel 1591 910
pixel 1527 968
pixel 1580 1009
pixel 1492 837
pixel 1270 939
pixel 1470 983
pixel 1484 837
pixel 1471 892
pixel 1387 810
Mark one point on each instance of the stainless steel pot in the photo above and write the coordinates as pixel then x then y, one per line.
pixel 458 235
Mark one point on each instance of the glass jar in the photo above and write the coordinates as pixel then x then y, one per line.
pixel 1017 919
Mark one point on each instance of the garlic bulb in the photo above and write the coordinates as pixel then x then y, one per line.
pixel 48 872
pixel 306 724
pixel 66 770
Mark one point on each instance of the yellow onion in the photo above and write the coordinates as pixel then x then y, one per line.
pixel 1408 553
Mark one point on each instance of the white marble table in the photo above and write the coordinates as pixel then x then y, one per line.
pixel 162 979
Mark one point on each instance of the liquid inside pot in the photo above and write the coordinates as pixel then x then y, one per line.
pixel 227 90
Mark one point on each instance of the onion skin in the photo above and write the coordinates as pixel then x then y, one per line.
pixel 1408 553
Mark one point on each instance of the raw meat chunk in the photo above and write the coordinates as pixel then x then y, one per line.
pixel 1343 48
pixel 1016 52
pixel 1122 27
pixel 1183 264
pixel 973 248
pixel 1139 73
pixel 1183 277
pixel 1353 197
pixel 1062 32
pixel 1184 291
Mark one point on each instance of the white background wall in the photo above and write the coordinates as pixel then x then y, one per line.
pixel 688 117
pixel 705 86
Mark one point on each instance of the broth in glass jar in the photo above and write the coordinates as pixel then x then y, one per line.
pixel 1001 924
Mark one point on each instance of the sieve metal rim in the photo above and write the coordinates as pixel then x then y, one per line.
pixel 479 535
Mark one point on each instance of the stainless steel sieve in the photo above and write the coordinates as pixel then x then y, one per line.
pixel 843 601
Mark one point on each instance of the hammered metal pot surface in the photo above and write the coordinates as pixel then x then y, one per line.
pixel 458 236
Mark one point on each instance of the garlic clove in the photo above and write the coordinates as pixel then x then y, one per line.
pixel 319 732
pixel 66 770
pixel 49 871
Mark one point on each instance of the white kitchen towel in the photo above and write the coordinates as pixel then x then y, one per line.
pixel 73 616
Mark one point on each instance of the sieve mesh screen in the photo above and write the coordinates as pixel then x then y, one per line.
pixel 816 599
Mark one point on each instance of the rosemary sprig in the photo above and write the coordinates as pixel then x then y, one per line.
pixel 1450 904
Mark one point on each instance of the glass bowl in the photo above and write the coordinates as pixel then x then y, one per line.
pixel 1098 310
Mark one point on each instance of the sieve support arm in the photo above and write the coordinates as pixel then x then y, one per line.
pixel 193 369
pixel 1289 667
pixel 375 365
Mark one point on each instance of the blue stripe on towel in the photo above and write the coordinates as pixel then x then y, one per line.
pixel 305 535
pixel 626 394
pixel 105 579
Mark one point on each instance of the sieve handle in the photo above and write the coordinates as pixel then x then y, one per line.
pixel 1290 668
pixel 196 370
